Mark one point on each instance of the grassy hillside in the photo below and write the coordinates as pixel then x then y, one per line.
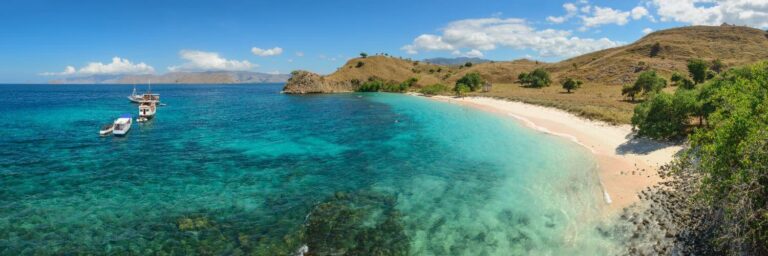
pixel 603 72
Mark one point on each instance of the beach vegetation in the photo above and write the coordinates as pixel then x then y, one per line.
pixel 461 89
pixel 435 89
pixel 723 176
pixel 375 84
pixel 537 78
pixel 570 84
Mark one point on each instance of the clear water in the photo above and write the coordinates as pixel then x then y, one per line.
pixel 244 169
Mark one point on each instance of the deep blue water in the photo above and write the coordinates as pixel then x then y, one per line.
pixel 243 169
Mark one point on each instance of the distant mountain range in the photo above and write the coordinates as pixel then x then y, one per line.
pixel 210 77
pixel 455 61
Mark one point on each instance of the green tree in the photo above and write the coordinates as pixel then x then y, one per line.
pixel 732 156
pixel 461 89
pixel 681 81
pixel 473 80
pixel 537 78
pixel 649 81
pixel 571 84
pixel 698 70
pixel 364 55
pixel 468 64
pixel 664 116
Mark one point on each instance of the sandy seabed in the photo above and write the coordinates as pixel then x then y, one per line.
pixel 627 165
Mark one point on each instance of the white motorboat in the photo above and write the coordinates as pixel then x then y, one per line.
pixel 122 125
pixel 147 109
pixel 106 129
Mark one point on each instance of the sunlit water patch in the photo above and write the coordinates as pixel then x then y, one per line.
pixel 244 169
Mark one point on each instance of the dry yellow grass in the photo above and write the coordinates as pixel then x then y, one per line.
pixel 593 102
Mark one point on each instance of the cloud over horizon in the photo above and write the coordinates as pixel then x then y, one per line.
pixel 209 61
pixel 486 34
pixel 118 66
pixel 266 52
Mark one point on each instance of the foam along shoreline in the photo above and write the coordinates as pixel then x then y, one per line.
pixel 627 165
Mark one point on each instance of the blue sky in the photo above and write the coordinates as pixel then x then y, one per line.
pixel 42 40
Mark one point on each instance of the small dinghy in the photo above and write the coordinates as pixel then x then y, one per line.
pixel 122 125
pixel 106 129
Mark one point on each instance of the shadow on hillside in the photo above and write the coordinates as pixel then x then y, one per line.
pixel 639 145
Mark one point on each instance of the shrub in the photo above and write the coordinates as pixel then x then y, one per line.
pixel 537 78
pixel 364 55
pixel 571 84
pixel 434 89
pixel 698 70
pixel 359 64
pixel 461 89
pixel 664 116
pixel 472 80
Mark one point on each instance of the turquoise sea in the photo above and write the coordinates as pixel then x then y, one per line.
pixel 243 169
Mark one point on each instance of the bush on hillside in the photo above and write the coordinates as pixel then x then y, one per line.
pixel 537 78
pixel 697 68
pixel 472 80
pixel 571 84
pixel 646 83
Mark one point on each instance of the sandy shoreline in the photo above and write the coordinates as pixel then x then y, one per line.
pixel 626 165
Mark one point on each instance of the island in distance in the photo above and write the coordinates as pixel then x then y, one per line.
pixel 209 77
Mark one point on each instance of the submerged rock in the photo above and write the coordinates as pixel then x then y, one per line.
pixel 356 224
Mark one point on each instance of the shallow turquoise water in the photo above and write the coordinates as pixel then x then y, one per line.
pixel 229 169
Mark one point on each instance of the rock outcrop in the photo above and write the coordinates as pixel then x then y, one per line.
pixel 302 82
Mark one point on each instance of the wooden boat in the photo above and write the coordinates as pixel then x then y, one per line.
pixel 148 96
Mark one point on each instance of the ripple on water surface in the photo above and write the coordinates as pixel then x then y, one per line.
pixel 243 169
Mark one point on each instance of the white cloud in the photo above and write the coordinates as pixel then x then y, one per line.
pixel 709 12
pixel 586 9
pixel 570 11
pixel 118 66
pixel 639 12
pixel 490 33
pixel 647 31
pixel 209 61
pixel 556 19
pixel 300 54
pixel 427 42
pixel 473 54
pixel 267 52
pixel 605 15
